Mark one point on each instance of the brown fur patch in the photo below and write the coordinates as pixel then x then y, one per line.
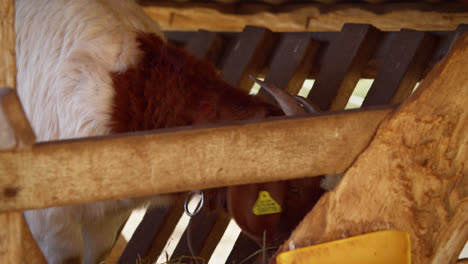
pixel 169 88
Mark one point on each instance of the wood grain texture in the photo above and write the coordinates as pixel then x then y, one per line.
pixel 412 177
pixel 7 44
pixel 16 242
pixel 51 174
pixel 309 17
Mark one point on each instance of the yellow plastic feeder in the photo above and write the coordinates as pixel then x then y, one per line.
pixel 382 247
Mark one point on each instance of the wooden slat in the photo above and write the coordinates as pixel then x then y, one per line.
pixel 205 45
pixel 203 233
pixel 182 159
pixel 7 44
pixel 247 55
pixel 445 44
pixel 17 122
pixel 11 249
pixel 344 62
pixel 291 63
pixel 402 68
pixel 243 248
pixel 151 235
pixel 307 17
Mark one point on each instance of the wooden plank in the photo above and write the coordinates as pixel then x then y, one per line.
pixel 445 44
pixel 151 235
pixel 415 165
pixel 205 45
pixel 11 248
pixel 243 248
pixel 247 55
pixel 444 41
pixel 291 63
pixel 402 68
pixel 7 44
pixel 183 159
pixel 343 64
pixel 16 242
pixel 202 235
pixel 307 17
pixel 17 122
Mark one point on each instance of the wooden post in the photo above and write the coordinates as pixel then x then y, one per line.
pixel 16 242
pixel 412 177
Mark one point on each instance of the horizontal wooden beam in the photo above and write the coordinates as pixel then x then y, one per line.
pixel 89 170
pixel 306 17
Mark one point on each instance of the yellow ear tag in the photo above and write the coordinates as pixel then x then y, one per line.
pixel 265 204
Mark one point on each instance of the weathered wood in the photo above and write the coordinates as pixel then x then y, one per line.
pixel 247 55
pixel 343 65
pixel 11 249
pixel 307 17
pixel 16 242
pixel 444 40
pixel 202 235
pixel 412 177
pixel 291 62
pixel 205 45
pixel 16 121
pixel 151 235
pixel 401 69
pixel 445 44
pixel 145 163
pixel 7 44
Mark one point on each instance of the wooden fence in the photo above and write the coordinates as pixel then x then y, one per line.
pixel 336 60
pixel 51 174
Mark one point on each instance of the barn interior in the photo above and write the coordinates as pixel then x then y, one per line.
pixel 357 63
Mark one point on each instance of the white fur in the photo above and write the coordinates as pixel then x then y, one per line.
pixel 65 50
